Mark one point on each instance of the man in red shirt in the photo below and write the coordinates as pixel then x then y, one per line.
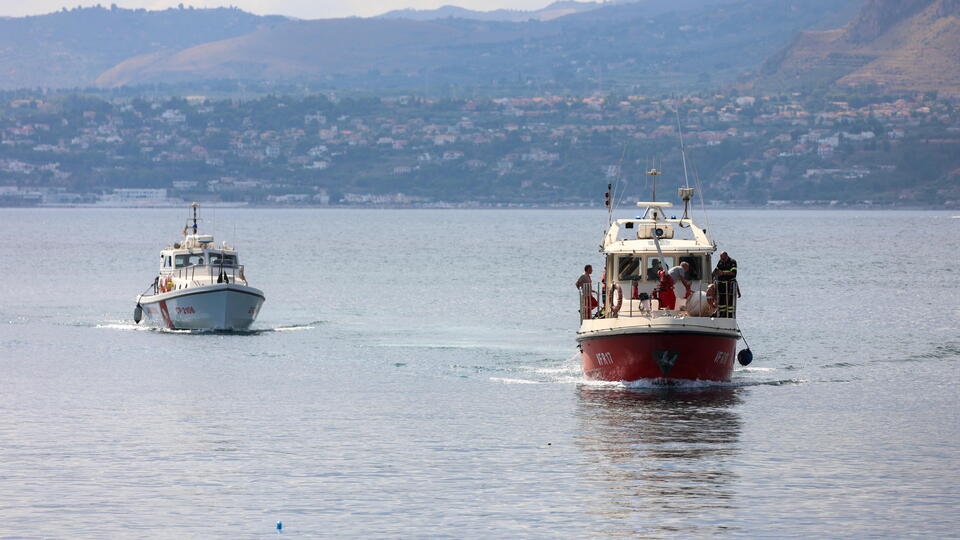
pixel 668 300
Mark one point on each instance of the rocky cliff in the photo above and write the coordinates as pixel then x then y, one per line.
pixel 891 46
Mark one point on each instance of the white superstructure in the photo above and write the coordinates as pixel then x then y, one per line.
pixel 635 251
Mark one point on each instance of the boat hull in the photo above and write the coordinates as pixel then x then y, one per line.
pixel 662 355
pixel 213 307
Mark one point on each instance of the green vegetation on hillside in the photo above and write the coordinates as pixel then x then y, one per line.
pixel 349 148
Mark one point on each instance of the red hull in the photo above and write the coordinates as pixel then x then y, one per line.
pixel 663 355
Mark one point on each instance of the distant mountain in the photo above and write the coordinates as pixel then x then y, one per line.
pixel 71 48
pixel 890 46
pixel 554 10
pixel 315 49
pixel 663 45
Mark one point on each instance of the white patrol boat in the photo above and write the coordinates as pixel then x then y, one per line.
pixel 200 287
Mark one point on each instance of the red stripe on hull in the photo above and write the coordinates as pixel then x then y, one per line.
pixel 659 356
pixel 166 314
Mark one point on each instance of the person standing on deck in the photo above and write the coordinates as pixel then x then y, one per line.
pixel 585 277
pixel 725 275
pixel 585 285
pixel 669 279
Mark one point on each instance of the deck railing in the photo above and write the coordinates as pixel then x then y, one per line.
pixel 721 301
pixel 199 275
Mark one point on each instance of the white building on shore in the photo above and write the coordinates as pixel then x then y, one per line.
pixel 138 197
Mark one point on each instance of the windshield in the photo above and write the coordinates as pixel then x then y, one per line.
pixel 694 261
pixel 228 260
pixel 188 260
pixel 654 265
pixel 629 268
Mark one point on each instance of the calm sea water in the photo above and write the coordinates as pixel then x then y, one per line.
pixel 414 374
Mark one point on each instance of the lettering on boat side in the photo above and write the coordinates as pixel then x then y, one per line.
pixel 722 358
pixel 604 359
pixel 185 310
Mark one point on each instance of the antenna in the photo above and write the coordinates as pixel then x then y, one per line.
pixel 683 151
pixel 654 173
pixel 607 203
pixel 615 192
pixel 685 194
pixel 195 205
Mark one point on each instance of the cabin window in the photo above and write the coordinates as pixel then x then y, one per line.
pixel 628 268
pixel 228 260
pixel 696 267
pixel 654 265
pixel 188 260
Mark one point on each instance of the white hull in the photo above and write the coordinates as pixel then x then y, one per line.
pixel 221 306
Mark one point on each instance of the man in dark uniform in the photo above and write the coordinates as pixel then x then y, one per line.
pixel 725 275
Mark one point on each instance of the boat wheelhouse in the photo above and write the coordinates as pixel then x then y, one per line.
pixel 200 286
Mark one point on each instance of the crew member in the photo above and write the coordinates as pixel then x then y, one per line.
pixel 669 279
pixel 603 286
pixel 585 285
pixel 725 275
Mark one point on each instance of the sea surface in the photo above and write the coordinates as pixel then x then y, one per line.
pixel 414 373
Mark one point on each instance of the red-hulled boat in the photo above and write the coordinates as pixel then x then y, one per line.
pixel 630 335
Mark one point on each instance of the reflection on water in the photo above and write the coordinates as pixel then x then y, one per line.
pixel 660 457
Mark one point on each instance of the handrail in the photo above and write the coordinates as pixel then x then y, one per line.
pixel 204 274
pixel 646 304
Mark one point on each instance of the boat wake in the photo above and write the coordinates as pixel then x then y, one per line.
pixel 652 384
pixel 131 327
pixel 568 371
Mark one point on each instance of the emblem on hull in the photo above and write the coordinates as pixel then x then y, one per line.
pixel 666 360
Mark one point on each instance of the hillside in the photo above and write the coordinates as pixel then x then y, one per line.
pixel 654 45
pixel 554 10
pixel 314 49
pixel 891 46
pixel 71 48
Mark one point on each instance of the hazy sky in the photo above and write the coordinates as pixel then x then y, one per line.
pixel 305 9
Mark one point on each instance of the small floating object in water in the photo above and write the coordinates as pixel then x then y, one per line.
pixel 745 357
pixel 279 527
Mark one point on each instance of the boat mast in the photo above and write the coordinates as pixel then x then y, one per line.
pixel 195 206
pixel 654 173
pixel 656 240
pixel 683 150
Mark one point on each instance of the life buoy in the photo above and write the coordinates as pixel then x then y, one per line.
pixel 166 285
pixel 615 308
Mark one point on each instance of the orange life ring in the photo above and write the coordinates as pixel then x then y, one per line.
pixel 615 308
pixel 166 285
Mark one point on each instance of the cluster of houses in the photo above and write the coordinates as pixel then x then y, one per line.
pixel 61 151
